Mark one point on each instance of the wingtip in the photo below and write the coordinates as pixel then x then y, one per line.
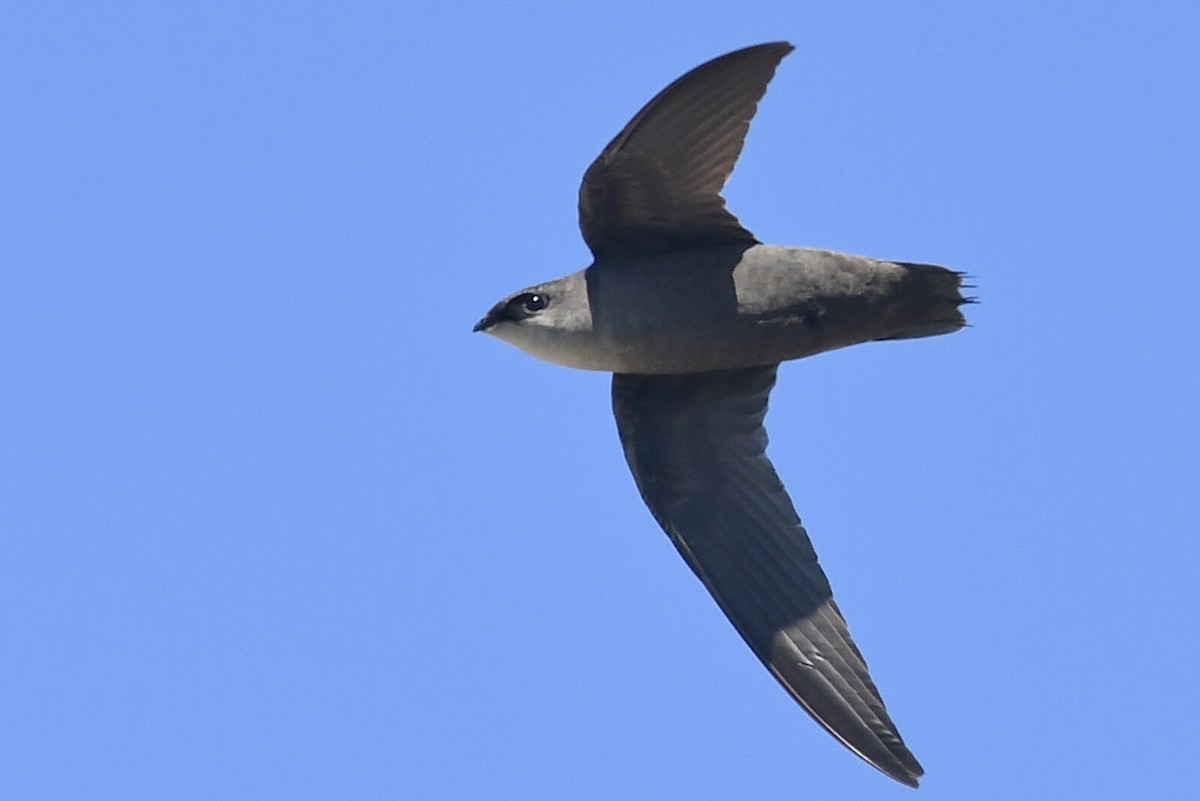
pixel 783 44
pixel 780 48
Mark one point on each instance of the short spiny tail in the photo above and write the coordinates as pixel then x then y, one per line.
pixel 927 302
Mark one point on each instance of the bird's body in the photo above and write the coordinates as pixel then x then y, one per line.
pixel 692 315
pixel 718 308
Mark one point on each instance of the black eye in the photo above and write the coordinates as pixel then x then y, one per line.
pixel 525 305
pixel 532 303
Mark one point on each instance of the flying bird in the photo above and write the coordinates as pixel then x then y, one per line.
pixel 693 314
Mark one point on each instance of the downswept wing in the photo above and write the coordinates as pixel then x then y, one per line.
pixel 657 185
pixel 697 449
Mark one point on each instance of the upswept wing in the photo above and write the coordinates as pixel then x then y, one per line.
pixel 657 185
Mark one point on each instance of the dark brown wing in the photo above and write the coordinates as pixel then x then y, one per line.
pixel 657 186
pixel 697 448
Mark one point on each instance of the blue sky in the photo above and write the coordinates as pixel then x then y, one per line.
pixel 274 524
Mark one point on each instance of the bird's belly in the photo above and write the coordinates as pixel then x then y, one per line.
pixel 687 349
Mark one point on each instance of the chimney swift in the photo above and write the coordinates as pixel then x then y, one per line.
pixel 692 315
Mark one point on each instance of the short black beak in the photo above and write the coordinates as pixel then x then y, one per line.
pixel 494 315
